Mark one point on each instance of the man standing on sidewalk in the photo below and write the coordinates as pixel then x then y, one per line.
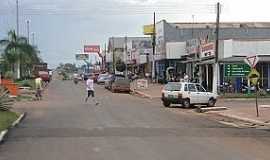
pixel 90 89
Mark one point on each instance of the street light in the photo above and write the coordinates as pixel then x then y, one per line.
pixel 28 31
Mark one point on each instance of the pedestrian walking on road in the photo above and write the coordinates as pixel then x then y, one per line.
pixel 38 85
pixel 90 89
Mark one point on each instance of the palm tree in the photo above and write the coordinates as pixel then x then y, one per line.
pixel 17 52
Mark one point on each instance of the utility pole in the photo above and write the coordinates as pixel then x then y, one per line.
pixel 154 49
pixel 17 17
pixel 193 26
pixel 33 38
pixel 126 70
pixel 113 55
pixel 104 57
pixel 18 34
pixel 217 31
pixel 216 65
pixel 28 31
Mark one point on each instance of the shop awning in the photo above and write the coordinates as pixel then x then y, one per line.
pixel 240 59
pixel 234 59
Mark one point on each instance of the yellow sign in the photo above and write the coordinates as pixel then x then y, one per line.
pixel 254 76
pixel 148 29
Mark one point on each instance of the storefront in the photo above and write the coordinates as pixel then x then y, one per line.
pixel 236 71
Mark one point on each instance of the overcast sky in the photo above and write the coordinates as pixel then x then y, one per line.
pixel 62 27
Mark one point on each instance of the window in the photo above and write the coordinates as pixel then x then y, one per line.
pixel 186 87
pixel 173 87
pixel 191 88
pixel 200 88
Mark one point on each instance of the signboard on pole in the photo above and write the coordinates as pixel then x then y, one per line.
pixel 252 61
pixel 254 76
pixel 81 56
pixel 92 49
pixel 236 70
pixel 207 50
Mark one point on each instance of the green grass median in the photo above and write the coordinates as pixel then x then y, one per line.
pixel 6 119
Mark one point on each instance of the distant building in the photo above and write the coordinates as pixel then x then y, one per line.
pixel 138 55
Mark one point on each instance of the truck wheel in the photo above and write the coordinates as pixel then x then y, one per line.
pixel 186 103
pixel 166 103
pixel 211 102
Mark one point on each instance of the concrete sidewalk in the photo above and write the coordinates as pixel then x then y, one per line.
pixel 246 110
pixel 153 90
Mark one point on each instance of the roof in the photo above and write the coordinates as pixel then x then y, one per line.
pixel 240 59
pixel 222 24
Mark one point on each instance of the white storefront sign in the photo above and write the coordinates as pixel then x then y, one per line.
pixel 207 50
pixel 192 46
pixel 142 84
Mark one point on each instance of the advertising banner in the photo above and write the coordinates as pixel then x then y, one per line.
pixel 92 49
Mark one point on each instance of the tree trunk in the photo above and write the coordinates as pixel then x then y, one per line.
pixel 18 69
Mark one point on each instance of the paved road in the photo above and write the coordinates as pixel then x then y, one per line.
pixel 124 127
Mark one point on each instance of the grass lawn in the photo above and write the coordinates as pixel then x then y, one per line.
pixel 6 119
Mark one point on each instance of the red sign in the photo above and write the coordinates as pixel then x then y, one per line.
pixel 92 48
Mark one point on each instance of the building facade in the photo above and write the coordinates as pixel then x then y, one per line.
pixel 136 52
pixel 199 58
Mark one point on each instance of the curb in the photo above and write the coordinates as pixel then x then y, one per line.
pixel 207 109
pixel 141 94
pixel 248 120
pixel 4 133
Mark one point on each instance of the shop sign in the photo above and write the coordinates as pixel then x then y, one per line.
pixel 81 56
pixel 236 70
pixel 148 29
pixel 142 84
pixel 192 46
pixel 91 48
pixel 207 50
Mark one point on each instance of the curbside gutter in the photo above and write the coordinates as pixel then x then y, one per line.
pixel 4 133
pixel 243 119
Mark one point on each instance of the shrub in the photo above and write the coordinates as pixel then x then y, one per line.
pixel 5 101
pixel 9 75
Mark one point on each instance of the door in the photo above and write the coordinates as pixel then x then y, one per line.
pixel 193 94
pixel 203 96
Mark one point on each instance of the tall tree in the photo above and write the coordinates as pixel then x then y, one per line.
pixel 18 53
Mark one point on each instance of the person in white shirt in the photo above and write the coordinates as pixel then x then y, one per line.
pixel 90 89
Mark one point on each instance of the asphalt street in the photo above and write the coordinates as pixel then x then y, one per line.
pixel 124 127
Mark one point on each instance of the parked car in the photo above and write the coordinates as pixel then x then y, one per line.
pixel 187 94
pixel 120 84
pixel 108 82
pixel 102 78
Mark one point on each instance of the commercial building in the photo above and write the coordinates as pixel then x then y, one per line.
pixel 194 43
pixel 136 52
